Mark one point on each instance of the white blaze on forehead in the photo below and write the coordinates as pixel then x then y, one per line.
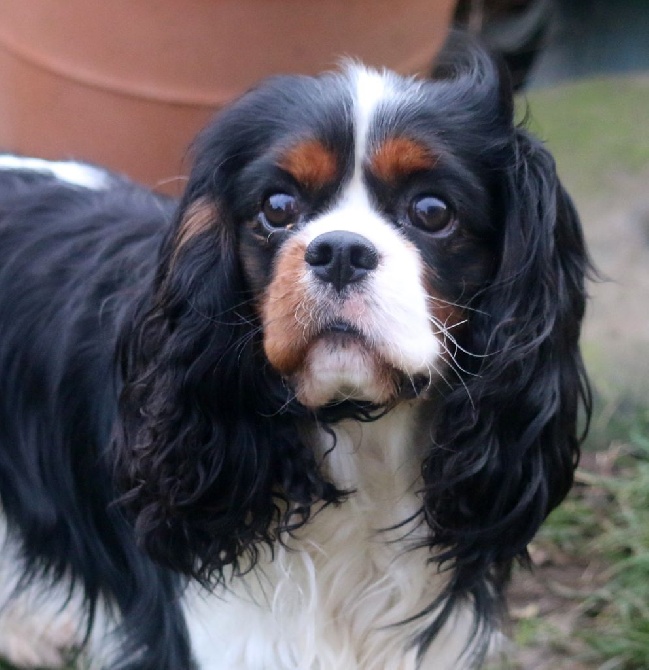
pixel 371 88
pixel 71 172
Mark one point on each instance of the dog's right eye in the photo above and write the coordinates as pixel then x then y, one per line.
pixel 430 214
pixel 280 210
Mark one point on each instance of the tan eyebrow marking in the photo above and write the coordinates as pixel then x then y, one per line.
pixel 398 157
pixel 310 163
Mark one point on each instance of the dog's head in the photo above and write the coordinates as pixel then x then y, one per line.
pixel 345 242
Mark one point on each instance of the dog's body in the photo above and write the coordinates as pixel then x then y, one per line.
pixel 328 600
pixel 338 382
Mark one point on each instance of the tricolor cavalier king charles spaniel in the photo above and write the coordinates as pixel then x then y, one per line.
pixel 307 417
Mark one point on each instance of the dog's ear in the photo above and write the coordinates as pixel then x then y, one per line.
pixel 208 465
pixel 507 442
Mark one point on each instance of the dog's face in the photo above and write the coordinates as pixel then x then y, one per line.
pixel 359 236
pixel 361 233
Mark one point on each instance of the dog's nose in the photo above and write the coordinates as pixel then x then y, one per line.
pixel 341 257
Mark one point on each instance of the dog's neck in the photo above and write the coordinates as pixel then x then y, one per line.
pixel 378 461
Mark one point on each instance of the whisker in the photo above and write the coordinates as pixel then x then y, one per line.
pixel 461 380
pixel 292 396
pixel 443 329
pixel 456 365
pixel 231 310
pixel 455 304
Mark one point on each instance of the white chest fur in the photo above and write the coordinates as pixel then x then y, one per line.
pixel 334 599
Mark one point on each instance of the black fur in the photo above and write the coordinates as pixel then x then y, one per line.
pixel 97 300
pixel 71 263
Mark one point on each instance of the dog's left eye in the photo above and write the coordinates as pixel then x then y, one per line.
pixel 280 210
pixel 429 213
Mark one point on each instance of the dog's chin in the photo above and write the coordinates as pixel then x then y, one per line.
pixel 340 366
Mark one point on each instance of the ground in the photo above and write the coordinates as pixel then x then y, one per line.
pixel 550 603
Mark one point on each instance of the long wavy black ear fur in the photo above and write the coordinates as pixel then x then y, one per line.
pixel 508 440
pixel 208 464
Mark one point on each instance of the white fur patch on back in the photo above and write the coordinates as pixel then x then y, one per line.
pixel 71 172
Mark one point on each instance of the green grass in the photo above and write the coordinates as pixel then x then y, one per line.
pixel 622 629
pixel 607 520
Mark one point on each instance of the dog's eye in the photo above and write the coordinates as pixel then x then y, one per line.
pixel 280 210
pixel 429 213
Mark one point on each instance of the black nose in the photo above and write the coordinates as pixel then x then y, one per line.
pixel 340 257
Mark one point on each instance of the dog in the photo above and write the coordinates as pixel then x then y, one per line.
pixel 307 417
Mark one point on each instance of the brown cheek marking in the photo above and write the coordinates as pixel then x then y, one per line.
pixel 199 217
pixel 311 164
pixel 285 310
pixel 399 157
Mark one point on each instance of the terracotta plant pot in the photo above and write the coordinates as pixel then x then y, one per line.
pixel 128 84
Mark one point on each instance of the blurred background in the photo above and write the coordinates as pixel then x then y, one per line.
pixel 127 85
